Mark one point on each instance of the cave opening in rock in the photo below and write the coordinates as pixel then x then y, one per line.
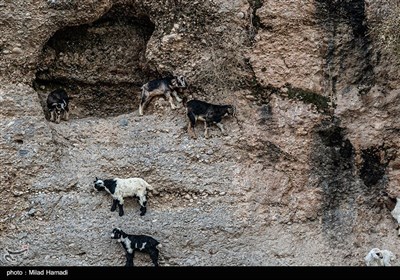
pixel 101 65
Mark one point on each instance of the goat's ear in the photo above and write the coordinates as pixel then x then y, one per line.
pixel 96 179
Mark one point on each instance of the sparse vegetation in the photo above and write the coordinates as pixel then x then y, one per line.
pixel 225 67
pixel 306 96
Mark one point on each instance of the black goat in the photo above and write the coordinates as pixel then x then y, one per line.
pixel 164 86
pixel 57 104
pixel 208 113
pixel 141 243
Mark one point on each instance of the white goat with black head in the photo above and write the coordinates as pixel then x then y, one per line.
pixel 141 243
pixel 377 257
pixel 57 104
pixel 208 113
pixel 396 214
pixel 165 86
pixel 121 188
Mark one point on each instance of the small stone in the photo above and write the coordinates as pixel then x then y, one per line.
pixel 187 196
pixel 250 97
pixel 32 212
pixel 240 15
pixel 222 193
pixel 123 122
pixel 23 152
pixel 17 50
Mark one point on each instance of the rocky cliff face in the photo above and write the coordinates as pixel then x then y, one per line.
pixel 298 180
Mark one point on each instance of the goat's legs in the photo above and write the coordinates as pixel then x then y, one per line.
pixel 154 256
pixel 58 117
pixel 171 101
pixel 145 99
pixel 142 202
pixel 192 122
pixel 114 205
pixel 206 130
pixel 66 115
pixel 120 208
pixel 129 259
pixel 52 116
pixel 221 127
pixel 175 94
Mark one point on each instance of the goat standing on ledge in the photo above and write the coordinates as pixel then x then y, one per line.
pixel 377 257
pixel 164 86
pixel 57 104
pixel 121 188
pixel 208 113
pixel 141 243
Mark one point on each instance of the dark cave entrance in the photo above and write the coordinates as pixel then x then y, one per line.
pixel 101 65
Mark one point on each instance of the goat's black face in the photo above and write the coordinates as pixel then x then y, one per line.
pixel 231 110
pixel 98 184
pixel 181 82
pixel 116 233
pixel 59 106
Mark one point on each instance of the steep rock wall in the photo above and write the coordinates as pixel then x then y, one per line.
pixel 298 180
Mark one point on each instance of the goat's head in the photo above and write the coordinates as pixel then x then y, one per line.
pixel 99 184
pixel 231 110
pixel 179 82
pixel 376 253
pixel 116 233
pixel 58 107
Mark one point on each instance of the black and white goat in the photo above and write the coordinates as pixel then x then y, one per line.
pixel 141 243
pixel 165 86
pixel 377 257
pixel 57 104
pixel 121 188
pixel 208 113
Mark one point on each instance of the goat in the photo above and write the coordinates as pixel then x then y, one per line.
pixel 208 113
pixel 121 188
pixel 377 257
pixel 396 214
pixel 164 86
pixel 57 104
pixel 141 243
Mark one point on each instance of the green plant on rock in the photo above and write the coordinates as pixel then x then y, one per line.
pixel 321 102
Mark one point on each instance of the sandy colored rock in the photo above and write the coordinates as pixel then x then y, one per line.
pixel 299 179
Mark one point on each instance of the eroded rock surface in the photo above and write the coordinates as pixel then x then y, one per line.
pixel 300 179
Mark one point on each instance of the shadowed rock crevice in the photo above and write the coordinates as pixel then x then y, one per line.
pixel 343 192
pixel 333 161
pixel 373 166
pixel 101 65
pixel 341 68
